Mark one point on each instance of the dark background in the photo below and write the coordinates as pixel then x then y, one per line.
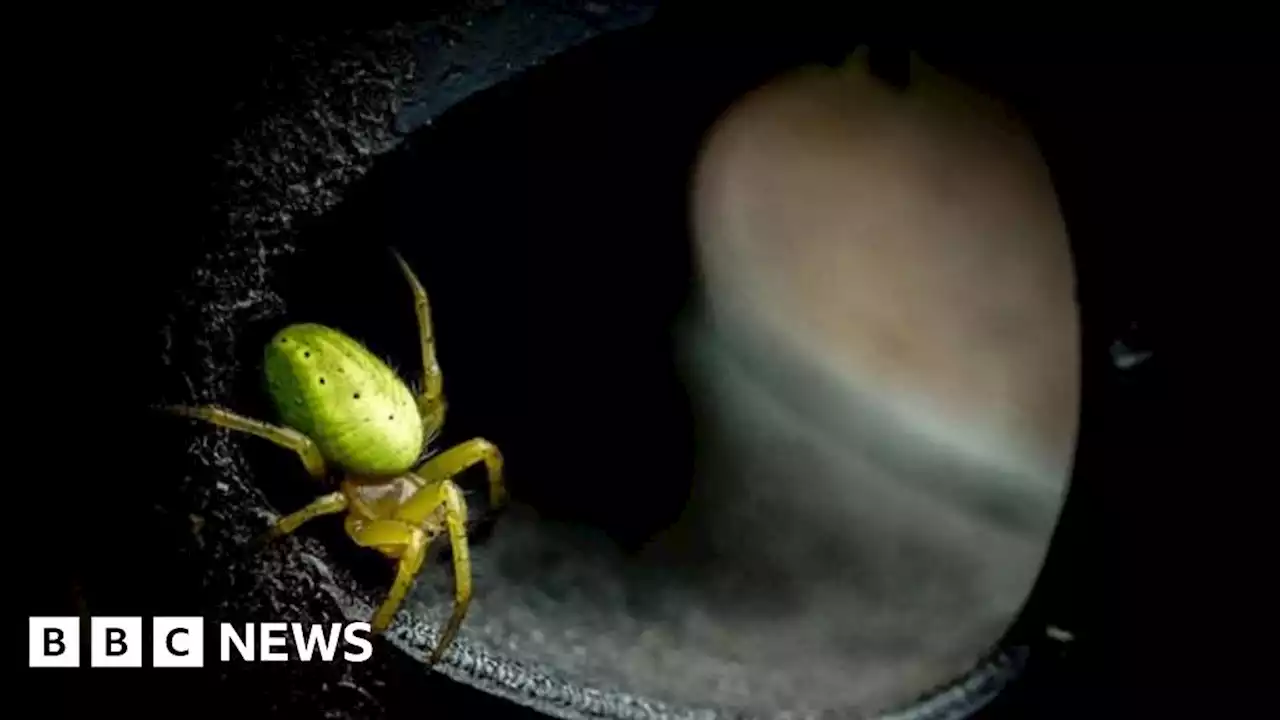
pixel 1120 127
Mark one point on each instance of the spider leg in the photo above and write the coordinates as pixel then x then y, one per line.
pixel 447 464
pixel 285 437
pixel 431 399
pixel 330 504
pixel 456 519
pixel 403 536
pixel 396 539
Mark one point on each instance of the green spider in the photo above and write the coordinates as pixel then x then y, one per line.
pixel 345 410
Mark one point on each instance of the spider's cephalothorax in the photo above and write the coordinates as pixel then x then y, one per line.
pixel 344 409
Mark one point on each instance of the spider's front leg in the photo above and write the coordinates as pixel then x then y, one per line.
pixel 432 406
pixel 431 403
pixel 403 536
pixel 285 437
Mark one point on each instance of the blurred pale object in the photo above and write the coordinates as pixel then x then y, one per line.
pixel 911 243
pixel 884 369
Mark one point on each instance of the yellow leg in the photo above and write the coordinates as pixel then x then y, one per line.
pixel 431 401
pixel 282 436
pixel 397 539
pixel 449 463
pixel 456 518
pixel 401 537
pixel 330 504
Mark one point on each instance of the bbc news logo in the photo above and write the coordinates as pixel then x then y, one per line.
pixel 179 642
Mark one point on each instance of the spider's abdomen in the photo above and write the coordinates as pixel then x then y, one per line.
pixel 352 404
